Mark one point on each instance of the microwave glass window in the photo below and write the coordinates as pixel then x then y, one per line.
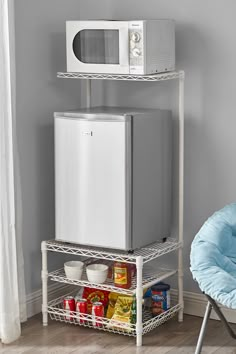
pixel 97 46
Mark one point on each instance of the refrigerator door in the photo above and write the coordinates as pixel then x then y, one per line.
pixel 92 181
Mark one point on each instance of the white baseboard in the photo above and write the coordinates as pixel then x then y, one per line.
pixel 194 303
pixel 34 300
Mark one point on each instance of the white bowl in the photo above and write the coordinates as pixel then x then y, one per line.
pixel 97 273
pixel 74 269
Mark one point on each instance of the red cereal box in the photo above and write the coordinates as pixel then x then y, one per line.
pixel 95 295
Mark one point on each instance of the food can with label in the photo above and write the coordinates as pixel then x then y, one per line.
pixel 81 308
pixel 160 298
pixel 69 307
pixel 122 275
pixel 97 311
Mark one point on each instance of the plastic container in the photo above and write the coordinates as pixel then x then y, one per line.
pixel 74 269
pixel 122 275
pixel 160 294
pixel 97 273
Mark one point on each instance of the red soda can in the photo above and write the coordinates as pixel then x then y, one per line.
pixel 69 307
pixel 81 307
pixel 97 311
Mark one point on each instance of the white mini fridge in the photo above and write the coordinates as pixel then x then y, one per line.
pixel 113 176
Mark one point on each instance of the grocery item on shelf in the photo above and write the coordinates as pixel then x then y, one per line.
pixel 115 306
pixel 122 313
pixel 111 304
pixel 160 298
pixel 97 311
pixel 69 307
pixel 147 299
pixel 81 306
pixel 94 295
pixel 122 275
pixel 102 261
pixel 97 273
pixel 74 269
pixel 133 311
pixel 133 270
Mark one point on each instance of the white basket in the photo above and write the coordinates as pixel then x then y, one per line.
pixel 56 312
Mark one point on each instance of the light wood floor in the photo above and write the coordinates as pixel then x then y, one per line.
pixel 171 338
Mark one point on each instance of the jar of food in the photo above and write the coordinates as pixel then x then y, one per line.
pixel 122 275
pixel 160 298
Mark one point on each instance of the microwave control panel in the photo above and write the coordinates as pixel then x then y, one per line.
pixel 135 48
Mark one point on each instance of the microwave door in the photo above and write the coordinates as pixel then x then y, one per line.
pixel 91 182
pixel 98 50
pixel 97 46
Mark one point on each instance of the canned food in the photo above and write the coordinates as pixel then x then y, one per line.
pixel 81 308
pixel 122 275
pixel 97 311
pixel 160 298
pixel 69 307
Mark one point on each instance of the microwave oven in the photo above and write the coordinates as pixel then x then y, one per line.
pixel 120 47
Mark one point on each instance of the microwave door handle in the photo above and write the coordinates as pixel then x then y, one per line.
pixel 124 47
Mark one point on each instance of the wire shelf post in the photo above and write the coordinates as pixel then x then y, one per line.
pixel 44 276
pixel 88 93
pixel 181 193
pixel 139 297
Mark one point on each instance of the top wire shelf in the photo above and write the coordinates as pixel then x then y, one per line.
pixel 153 77
pixel 148 253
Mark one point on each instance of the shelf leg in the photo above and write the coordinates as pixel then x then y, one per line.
pixel 181 193
pixel 88 92
pixel 44 276
pixel 180 285
pixel 139 298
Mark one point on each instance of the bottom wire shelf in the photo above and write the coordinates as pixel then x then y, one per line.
pixel 56 312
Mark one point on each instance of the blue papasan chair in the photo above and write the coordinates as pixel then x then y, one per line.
pixel 213 265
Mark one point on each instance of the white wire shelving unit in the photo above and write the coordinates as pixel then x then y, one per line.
pixel 145 277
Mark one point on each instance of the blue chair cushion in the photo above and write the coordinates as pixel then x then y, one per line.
pixel 213 256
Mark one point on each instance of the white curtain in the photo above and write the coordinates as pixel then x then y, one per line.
pixel 12 288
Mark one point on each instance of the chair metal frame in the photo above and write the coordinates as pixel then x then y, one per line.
pixel 211 304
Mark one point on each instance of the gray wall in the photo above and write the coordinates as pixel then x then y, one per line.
pixel 204 32
pixel 40 53
pixel 204 35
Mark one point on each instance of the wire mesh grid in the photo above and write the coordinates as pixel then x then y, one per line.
pixel 57 315
pixel 150 277
pixel 151 323
pixel 57 312
pixel 148 253
pixel 153 77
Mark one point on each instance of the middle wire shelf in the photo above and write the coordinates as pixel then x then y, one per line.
pixel 150 277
